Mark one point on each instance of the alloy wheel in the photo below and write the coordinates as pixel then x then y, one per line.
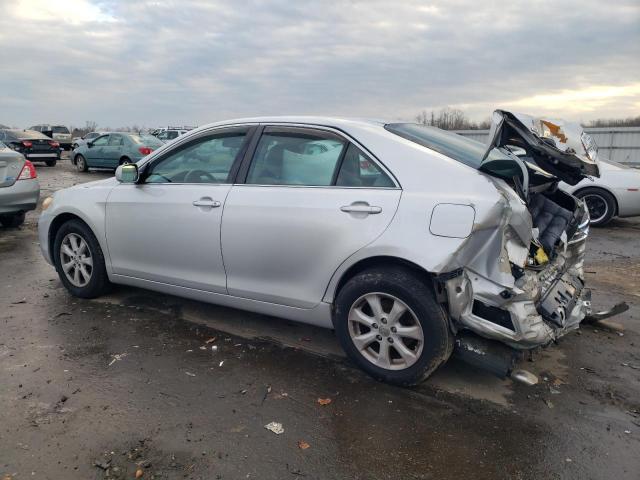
pixel 76 260
pixel 385 331
pixel 597 206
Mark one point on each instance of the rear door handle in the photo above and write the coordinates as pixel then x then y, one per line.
pixel 206 202
pixel 361 208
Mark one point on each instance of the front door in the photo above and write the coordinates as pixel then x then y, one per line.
pixel 311 199
pixel 167 227
pixel 95 153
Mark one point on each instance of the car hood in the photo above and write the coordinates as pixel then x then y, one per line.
pixel 563 149
pixel 106 182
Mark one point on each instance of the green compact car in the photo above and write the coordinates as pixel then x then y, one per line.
pixel 113 149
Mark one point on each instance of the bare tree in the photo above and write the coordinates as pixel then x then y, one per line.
pixel 450 119
pixel 615 122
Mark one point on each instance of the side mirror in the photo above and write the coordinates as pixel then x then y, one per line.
pixel 127 173
pixel 89 144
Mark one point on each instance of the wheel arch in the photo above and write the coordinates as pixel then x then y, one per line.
pixel 377 261
pixel 600 187
pixel 57 222
pixel 123 158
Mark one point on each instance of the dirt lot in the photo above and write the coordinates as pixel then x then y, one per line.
pixel 102 388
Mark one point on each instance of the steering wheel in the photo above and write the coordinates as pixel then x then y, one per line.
pixel 195 176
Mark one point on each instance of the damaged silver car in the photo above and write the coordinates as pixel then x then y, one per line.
pixel 405 239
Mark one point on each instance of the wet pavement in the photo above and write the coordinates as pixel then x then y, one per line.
pixel 178 389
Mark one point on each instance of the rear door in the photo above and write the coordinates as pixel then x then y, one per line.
pixel 310 200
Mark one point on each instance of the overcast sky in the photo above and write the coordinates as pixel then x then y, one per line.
pixel 154 63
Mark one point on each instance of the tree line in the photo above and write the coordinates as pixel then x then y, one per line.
pixel 446 118
pixel 455 119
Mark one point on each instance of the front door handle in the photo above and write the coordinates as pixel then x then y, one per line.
pixel 206 202
pixel 361 208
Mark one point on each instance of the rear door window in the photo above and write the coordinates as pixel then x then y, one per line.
pixel 116 140
pixel 296 156
pixel 359 170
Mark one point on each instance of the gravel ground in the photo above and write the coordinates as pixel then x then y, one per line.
pixel 104 388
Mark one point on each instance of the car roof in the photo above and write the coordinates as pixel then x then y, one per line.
pixel 327 121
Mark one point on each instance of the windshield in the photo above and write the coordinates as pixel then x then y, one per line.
pixel 60 129
pixel 147 140
pixel 454 146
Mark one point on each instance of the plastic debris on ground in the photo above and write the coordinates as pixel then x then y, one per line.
pixel 324 401
pixel 275 427
pixel 117 358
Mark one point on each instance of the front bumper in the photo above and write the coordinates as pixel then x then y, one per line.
pixel 22 196
pixel 44 223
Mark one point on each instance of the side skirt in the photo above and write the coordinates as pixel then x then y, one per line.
pixel 320 315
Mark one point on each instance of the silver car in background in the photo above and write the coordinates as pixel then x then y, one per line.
pixel 403 238
pixel 19 187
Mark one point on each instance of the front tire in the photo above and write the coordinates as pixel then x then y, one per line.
pixel 12 220
pixel 81 163
pixel 390 324
pixel 600 203
pixel 79 260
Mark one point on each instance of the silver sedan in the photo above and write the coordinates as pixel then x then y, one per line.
pixel 400 237
pixel 19 187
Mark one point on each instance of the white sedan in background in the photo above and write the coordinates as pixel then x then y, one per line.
pixel 615 194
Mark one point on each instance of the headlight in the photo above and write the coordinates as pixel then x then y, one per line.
pixel 46 203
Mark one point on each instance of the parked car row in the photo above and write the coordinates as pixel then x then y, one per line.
pixel 35 146
pixel 109 150
pixel 166 134
pixel 59 133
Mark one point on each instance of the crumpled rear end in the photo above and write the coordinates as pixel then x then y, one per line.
pixel 514 299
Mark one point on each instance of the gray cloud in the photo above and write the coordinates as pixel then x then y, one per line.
pixel 153 63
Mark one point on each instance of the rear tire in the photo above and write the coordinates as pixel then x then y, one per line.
pixel 51 163
pixel 81 163
pixel 125 160
pixel 12 220
pixel 600 203
pixel 87 256
pixel 385 348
